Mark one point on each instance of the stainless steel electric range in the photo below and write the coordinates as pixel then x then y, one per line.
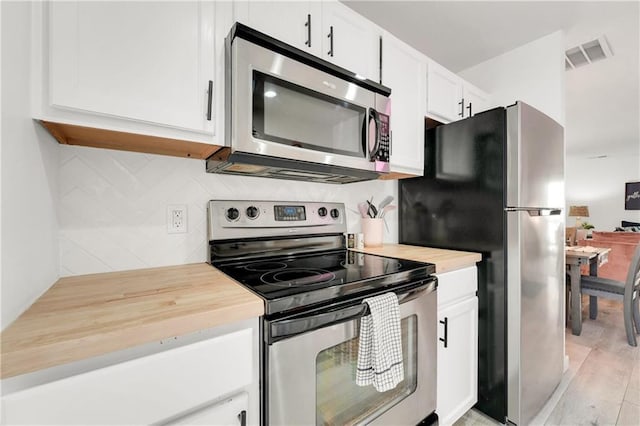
pixel 292 255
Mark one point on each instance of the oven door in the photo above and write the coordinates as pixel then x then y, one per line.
pixel 286 109
pixel 310 377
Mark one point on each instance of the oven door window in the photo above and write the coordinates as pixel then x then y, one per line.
pixel 292 115
pixel 339 401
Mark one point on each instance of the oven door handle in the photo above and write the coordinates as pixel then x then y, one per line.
pixel 284 329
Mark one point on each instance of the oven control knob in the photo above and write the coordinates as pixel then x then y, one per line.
pixel 335 213
pixel 253 212
pixel 233 213
pixel 322 211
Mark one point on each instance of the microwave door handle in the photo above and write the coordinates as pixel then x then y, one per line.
pixel 373 115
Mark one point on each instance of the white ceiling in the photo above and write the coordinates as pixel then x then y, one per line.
pixel 602 99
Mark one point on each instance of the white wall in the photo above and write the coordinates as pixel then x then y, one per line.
pixel 73 210
pixel 29 240
pixel 599 184
pixel 532 73
pixel 113 207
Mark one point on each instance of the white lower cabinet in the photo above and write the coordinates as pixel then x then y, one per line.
pixel 457 344
pixel 212 381
pixel 230 412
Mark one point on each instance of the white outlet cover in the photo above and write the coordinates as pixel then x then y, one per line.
pixel 176 219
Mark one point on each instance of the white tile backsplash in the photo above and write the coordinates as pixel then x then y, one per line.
pixel 113 207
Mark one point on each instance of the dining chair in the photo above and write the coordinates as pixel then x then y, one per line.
pixel 628 292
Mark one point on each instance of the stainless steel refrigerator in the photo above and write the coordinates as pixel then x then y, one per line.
pixel 494 184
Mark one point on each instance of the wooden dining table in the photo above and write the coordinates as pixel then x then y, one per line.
pixel 575 257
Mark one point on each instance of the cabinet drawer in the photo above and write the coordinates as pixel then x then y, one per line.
pixel 223 413
pixel 456 285
pixel 141 391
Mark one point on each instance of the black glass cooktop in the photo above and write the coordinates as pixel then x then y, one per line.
pixel 291 282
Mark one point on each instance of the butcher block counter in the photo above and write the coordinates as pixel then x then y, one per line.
pixel 90 315
pixel 445 260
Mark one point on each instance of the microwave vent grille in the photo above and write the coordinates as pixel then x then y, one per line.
pixel 243 164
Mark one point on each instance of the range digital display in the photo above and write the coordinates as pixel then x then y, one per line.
pixel 289 213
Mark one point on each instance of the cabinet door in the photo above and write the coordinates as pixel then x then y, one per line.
pixel 475 100
pixel 151 389
pixel 295 23
pixel 350 41
pixel 229 412
pixel 404 70
pixel 149 62
pixel 444 93
pixel 458 362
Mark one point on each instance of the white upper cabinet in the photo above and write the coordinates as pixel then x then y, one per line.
pixel 475 100
pixel 327 29
pixel 404 70
pixel 444 93
pixel 147 62
pixel 296 23
pixel 350 41
pixel 450 98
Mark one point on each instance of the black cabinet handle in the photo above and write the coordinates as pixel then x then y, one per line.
pixel 461 103
pixel 380 62
pixel 330 37
pixel 446 331
pixel 209 100
pixel 308 25
pixel 469 108
pixel 243 418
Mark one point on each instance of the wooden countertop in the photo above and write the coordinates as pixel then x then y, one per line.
pixel 445 260
pixel 89 315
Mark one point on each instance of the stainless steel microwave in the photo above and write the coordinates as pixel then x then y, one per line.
pixel 291 115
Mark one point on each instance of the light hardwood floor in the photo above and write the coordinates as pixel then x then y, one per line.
pixel 602 384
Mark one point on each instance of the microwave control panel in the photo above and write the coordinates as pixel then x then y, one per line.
pixel 384 143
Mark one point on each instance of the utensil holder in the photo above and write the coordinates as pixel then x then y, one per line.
pixel 372 230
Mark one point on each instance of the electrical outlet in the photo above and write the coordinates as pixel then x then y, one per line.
pixel 176 219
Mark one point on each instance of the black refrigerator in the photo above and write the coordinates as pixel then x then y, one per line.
pixel 494 184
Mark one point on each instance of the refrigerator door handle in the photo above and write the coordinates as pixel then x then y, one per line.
pixel 536 211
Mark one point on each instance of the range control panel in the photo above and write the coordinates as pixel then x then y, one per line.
pixel 254 219
pixel 290 213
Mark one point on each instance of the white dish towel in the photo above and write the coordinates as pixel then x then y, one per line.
pixel 380 346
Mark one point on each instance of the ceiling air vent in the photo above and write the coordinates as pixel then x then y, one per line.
pixel 587 53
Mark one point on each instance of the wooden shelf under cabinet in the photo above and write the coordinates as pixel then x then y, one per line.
pixel 69 134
